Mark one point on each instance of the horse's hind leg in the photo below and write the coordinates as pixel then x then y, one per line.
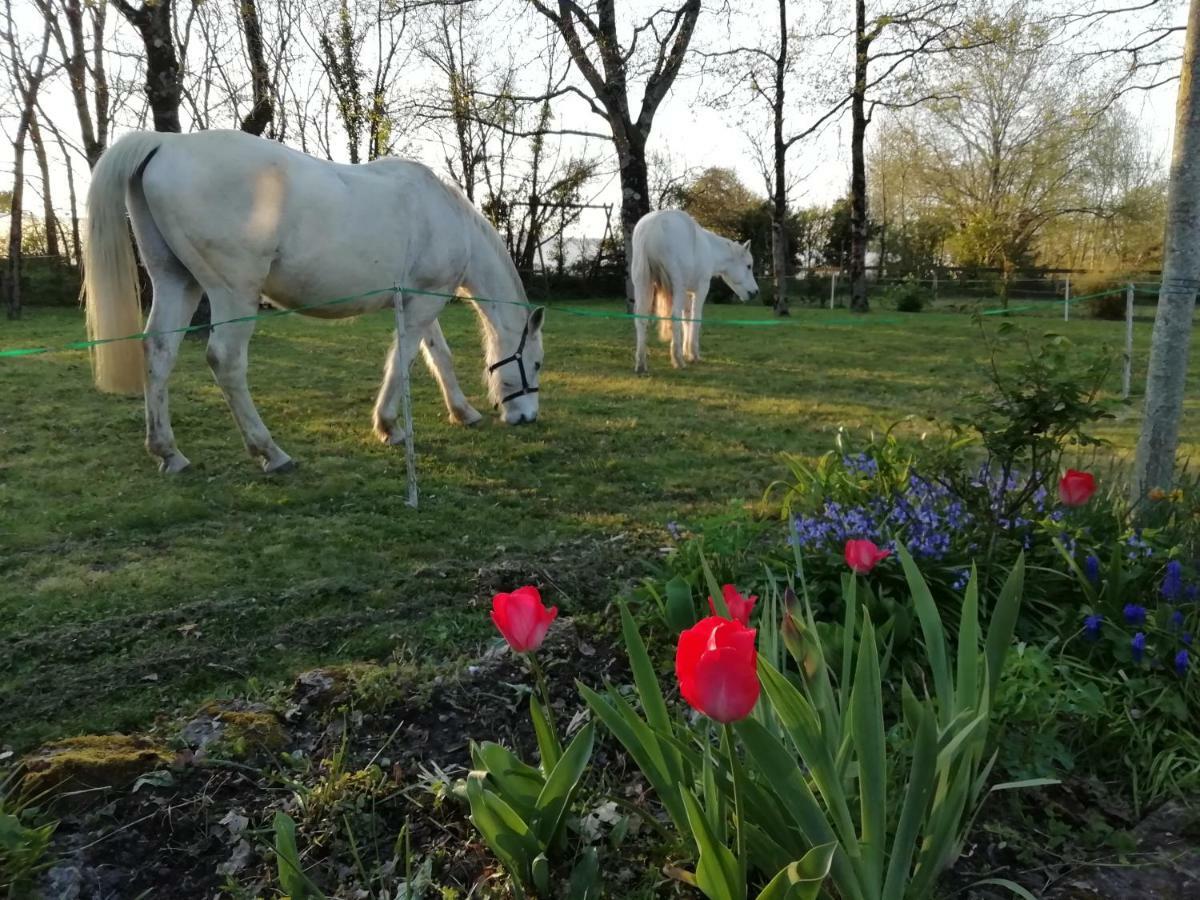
pixel 228 352
pixel 678 305
pixel 176 295
pixel 441 364
pixel 643 300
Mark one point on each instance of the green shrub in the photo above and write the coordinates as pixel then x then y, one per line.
pixel 909 295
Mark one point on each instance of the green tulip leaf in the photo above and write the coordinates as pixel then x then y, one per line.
pixel 555 798
pixel 801 880
pixel 681 606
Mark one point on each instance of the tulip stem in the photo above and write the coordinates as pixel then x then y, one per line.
pixel 736 772
pixel 544 689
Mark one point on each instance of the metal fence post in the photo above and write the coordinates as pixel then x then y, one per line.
pixel 1067 301
pixel 832 289
pixel 1127 381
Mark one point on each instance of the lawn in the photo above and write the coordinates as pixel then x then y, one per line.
pixel 126 594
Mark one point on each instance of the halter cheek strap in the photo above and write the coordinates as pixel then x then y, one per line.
pixel 518 358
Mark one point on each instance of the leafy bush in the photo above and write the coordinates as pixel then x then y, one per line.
pixel 909 295
pixel 1110 307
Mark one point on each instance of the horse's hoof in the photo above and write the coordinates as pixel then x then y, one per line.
pixel 280 468
pixel 173 464
pixel 393 439
pixel 641 369
pixel 468 417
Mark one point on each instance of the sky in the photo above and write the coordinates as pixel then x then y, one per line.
pixel 687 129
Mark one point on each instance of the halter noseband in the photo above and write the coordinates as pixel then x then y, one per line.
pixel 518 358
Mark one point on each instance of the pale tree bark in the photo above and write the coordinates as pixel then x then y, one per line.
pixel 49 219
pixel 608 79
pixel 27 78
pixel 1167 375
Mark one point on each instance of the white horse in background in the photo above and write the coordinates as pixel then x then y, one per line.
pixel 674 259
pixel 235 217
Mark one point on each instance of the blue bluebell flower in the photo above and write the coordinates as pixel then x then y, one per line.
pixel 1177 619
pixel 1172 583
pixel 673 530
pixel 1181 662
pixel 961 579
pixel 1134 614
pixel 1191 593
pixel 1091 627
pixel 1091 568
pixel 1138 646
pixel 1186 638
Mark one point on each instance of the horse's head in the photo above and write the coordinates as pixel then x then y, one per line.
pixel 738 271
pixel 515 374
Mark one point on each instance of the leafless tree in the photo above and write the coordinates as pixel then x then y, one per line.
pixel 654 53
pixel 26 73
pixel 164 83
pixel 75 24
pixel 49 219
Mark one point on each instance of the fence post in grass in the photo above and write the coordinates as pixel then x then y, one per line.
pixel 410 453
pixel 1067 301
pixel 935 294
pixel 832 289
pixel 1127 380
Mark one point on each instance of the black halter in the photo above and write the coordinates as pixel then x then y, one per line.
pixel 518 358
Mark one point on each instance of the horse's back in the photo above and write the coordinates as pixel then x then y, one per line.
pixel 246 209
pixel 666 240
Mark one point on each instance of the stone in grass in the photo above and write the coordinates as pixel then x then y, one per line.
pixel 365 686
pixel 236 729
pixel 73 770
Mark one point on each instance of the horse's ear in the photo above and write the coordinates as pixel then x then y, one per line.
pixel 746 246
pixel 535 319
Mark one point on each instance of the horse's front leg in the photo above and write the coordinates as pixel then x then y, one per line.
pixel 441 364
pixel 228 357
pixel 387 405
pixel 696 314
pixel 176 296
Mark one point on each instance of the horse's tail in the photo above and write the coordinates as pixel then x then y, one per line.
pixel 110 278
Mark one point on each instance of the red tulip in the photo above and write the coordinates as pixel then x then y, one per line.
pixel 863 556
pixel 739 606
pixel 522 618
pixel 1076 488
pixel 717 668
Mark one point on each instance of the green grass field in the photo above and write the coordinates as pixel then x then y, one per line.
pixel 124 594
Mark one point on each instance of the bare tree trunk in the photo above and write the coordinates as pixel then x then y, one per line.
pixel 27 78
pixel 261 113
pixel 779 254
pixel 609 84
pixel 635 196
pixel 164 85
pixel 76 242
pixel 49 219
pixel 1167 375
pixel 858 165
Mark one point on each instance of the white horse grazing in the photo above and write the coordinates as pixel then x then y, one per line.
pixel 674 259
pixel 236 217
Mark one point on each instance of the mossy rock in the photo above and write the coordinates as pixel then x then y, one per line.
pixel 89 762
pixel 236 729
pixel 365 685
